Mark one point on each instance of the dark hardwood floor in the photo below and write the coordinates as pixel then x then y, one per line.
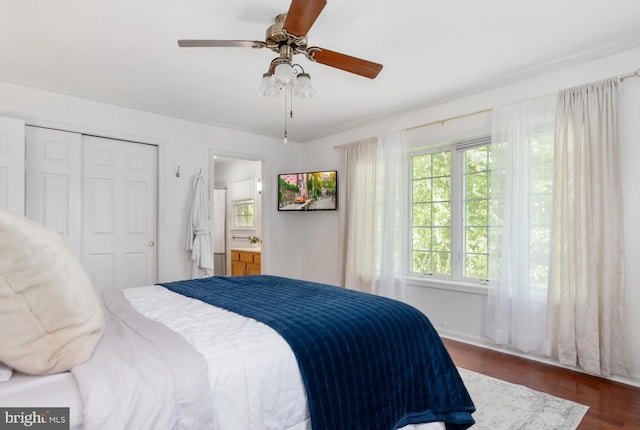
pixel 612 405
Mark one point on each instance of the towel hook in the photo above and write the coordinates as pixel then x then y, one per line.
pixel 178 172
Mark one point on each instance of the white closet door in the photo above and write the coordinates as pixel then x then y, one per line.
pixel 12 153
pixel 120 212
pixel 54 188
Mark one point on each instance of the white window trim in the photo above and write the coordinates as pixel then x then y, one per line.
pixel 235 204
pixel 448 285
pixel 460 148
pixel 456 281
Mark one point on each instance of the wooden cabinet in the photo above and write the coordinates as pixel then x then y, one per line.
pixel 244 262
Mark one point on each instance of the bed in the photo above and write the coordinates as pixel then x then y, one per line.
pixel 223 353
pixel 157 345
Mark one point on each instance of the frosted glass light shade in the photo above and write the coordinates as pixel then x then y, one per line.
pixel 304 88
pixel 268 86
pixel 283 73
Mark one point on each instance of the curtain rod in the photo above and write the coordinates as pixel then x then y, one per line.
pixel 442 121
pixel 464 115
pixel 635 74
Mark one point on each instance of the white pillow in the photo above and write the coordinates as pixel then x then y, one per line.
pixel 50 315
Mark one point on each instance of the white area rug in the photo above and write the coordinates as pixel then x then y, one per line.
pixel 502 405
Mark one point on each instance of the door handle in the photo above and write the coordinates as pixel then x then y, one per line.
pixel 150 243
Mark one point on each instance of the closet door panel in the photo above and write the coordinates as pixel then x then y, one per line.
pixel 102 215
pixel 100 195
pixel 134 262
pixel 102 270
pixel 12 154
pixel 121 207
pixel 55 203
pixel 53 183
pixel 136 216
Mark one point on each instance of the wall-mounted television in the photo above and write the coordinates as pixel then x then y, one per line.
pixel 308 191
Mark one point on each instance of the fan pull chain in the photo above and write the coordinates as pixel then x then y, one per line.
pixel 285 140
pixel 291 103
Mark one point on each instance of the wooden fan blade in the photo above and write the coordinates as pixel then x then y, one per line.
pixel 301 16
pixel 221 43
pixel 344 62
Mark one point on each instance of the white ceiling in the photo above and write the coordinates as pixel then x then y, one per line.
pixel 125 52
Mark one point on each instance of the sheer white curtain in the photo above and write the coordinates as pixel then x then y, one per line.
pixel 587 283
pixel 357 216
pixel 373 221
pixel 520 213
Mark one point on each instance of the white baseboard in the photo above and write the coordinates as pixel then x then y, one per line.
pixel 633 379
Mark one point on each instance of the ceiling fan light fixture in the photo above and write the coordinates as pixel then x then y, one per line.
pixel 288 37
pixel 283 73
pixel 304 88
pixel 268 86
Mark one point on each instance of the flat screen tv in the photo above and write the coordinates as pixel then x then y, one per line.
pixel 308 191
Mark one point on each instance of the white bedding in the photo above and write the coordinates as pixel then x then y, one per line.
pixel 54 391
pixel 252 373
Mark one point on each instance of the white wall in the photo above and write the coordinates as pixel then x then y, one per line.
pixel 461 313
pixel 307 246
pixel 180 142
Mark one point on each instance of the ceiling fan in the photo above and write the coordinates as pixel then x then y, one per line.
pixel 288 37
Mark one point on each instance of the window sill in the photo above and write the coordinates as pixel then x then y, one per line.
pixel 442 284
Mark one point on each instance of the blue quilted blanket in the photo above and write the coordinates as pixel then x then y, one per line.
pixel 367 362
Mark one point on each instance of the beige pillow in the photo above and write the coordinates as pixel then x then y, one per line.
pixel 50 315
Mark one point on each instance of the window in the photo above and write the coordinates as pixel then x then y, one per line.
pixel 243 213
pixel 241 194
pixel 541 183
pixel 431 213
pixel 476 213
pixel 450 211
